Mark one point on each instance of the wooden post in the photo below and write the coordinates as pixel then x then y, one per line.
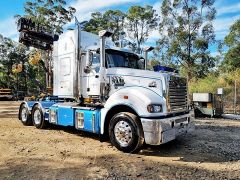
pixel 235 96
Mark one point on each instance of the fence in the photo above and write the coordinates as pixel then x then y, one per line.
pixel 231 99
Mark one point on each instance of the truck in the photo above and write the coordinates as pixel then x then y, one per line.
pixel 116 97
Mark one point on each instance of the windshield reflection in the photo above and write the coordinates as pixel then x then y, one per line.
pixel 123 59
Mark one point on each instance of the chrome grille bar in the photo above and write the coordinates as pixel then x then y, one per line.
pixel 177 94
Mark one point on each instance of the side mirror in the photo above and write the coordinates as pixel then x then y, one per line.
pixel 89 58
pixel 87 69
pixel 90 61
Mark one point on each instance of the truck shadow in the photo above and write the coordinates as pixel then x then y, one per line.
pixel 73 130
pixel 207 144
pixel 110 166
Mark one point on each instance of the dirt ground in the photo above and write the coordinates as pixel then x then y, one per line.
pixel 212 151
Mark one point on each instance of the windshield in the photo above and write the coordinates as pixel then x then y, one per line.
pixel 123 59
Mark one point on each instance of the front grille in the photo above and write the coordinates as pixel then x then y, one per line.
pixel 177 94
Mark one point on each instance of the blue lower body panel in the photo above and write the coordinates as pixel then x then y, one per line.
pixel 82 119
pixel 65 116
pixel 88 120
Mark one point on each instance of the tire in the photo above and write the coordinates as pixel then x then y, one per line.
pixel 126 132
pixel 24 115
pixel 38 118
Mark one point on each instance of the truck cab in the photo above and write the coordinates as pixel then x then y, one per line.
pixel 117 97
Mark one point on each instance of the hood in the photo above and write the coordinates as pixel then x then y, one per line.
pixel 126 77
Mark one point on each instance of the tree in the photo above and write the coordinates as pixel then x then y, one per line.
pixel 140 21
pixel 115 23
pixel 231 60
pixel 12 53
pixel 51 14
pixel 112 20
pixel 95 24
pixel 137 23
pixel 5 67
pixel 187 32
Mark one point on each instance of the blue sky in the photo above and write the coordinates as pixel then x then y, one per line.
pixel 228 11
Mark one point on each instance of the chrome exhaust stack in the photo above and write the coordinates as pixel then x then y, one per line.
pixel 103 35
pixel 146 50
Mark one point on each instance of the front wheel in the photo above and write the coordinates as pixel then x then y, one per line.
pixel 24 115
pixel 38 117
pixel 126 133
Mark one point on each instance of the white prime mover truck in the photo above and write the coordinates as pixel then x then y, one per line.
pixel 117 97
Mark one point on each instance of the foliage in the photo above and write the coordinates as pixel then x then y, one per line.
pixel 112 20
pixel 95 24
pixel 213 81
pixel 140 22
pixel 233 38
pixel 154 62
pixel 208 84
pixel 137 23
pixel 12 53
pixel 231 60
pixel 51 14
pixel 187 32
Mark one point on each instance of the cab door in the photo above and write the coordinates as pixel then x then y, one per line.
pixel 91 75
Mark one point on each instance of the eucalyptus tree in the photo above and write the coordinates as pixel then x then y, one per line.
pixel 112 20
pixel 11 53
pixel 187 33
pixel 50 14
pixel 232 40
pixel 140 22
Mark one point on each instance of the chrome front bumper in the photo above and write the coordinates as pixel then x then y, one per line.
pixel 159 131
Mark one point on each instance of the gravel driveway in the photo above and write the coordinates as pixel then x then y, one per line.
pixel 212 151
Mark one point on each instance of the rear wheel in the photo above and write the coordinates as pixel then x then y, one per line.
pixel 38 117
pixel 24 115
pixel 126 133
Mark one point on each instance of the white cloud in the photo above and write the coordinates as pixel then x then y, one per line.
pixel 222 25
pixel 84 8
pixel 8 28
pixel 234 8
pixel 157 7
pixel 215 53
pixel 153 36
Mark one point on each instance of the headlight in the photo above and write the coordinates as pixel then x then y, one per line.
pixel 154 108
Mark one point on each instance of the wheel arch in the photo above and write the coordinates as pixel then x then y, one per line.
pixel 38 104
pixel 113 111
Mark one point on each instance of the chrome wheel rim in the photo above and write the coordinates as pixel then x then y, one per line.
pixel 123 133
pixel 37 117
pixel 24 114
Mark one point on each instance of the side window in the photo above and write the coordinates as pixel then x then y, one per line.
pixel 141 63
pixel 96 59
pixel 109 60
